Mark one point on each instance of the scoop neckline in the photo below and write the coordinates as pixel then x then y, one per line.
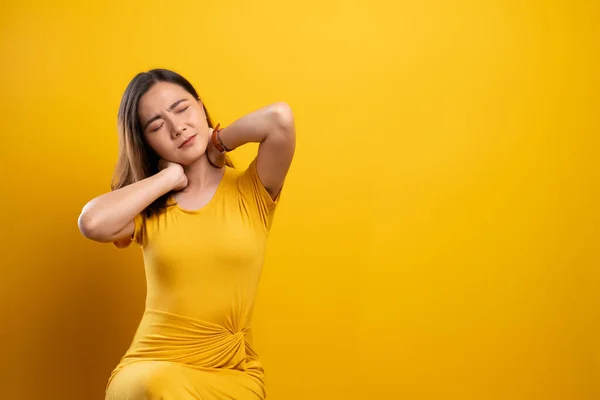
pixel 208 204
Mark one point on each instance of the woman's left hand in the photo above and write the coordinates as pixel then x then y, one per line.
pixel 216 158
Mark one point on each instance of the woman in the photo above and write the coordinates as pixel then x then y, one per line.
pixel 202 226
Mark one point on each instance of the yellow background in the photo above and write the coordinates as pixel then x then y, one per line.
pixel 438 235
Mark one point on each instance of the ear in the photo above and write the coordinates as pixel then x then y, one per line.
pixel 204 111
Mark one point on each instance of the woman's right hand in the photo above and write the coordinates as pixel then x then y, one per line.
pixel 180 180
pixel 109 217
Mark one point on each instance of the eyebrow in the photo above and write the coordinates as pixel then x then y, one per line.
pixel 151 120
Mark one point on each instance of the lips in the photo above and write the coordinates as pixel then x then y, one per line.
pixel 187 141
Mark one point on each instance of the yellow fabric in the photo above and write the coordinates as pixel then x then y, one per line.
pixel 203 267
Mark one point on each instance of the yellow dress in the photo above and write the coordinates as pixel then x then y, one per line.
pixel 203 267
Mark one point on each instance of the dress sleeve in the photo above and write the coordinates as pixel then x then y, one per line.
pixel 256 195
pixel 139 228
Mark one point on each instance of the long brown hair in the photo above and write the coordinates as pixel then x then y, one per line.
pixel 137 161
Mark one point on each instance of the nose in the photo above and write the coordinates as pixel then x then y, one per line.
pixel 178 129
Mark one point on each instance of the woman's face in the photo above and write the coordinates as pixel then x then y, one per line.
pixel 174 123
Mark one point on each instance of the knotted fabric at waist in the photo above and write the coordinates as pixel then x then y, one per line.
pixel 162 336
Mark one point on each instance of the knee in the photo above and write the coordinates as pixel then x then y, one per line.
pixel 144 381
pixel 157 380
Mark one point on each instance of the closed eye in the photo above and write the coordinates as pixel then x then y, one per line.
pixel 182 110
pixel 157 128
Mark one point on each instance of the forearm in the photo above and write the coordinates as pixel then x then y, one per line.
pixel 256 127
pixel 106 215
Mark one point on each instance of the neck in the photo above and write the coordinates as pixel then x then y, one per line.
pixel 201 174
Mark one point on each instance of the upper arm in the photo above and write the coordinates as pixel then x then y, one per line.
pixel 276 152
pixel 124 237
pixel 132 232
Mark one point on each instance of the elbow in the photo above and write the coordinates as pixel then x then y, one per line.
pixel 89 227
pixel 283 119
pixel 86 225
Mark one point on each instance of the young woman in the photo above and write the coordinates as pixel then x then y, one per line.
pixel 202 226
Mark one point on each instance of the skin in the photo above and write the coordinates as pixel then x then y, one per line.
pixel 170 115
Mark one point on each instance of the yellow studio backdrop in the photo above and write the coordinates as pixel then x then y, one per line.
pixel 438 234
